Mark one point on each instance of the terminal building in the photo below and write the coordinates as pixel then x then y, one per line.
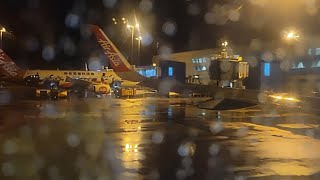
pixel 300 75
pixel 204 67
pixel 197 63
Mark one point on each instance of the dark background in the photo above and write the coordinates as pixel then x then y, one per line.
pixel 36 24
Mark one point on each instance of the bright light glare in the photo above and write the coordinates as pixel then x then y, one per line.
pixel 3 29
pixel 225 44
pixel 279 97
pixel 292 35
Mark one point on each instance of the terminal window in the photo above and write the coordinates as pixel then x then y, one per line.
pixel 170 71
pixel 266 69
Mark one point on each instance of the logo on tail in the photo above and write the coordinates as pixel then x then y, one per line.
pixel 108 51
pixel 6 64
pixel 117 61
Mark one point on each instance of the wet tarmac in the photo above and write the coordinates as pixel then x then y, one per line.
pixel 156 138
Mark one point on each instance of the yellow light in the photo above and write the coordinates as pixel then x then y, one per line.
pixel 3 29
pixel 113 19
pixel 278 97
pixel 225 44
pixel 137 25
pixel 129 26
pixel 154 64
pixel 290 35
pixel 123 19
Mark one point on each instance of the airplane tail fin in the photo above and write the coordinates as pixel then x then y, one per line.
pixel 118 62
pixel 8 69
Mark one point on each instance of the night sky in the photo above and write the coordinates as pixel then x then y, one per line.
pixel 49 34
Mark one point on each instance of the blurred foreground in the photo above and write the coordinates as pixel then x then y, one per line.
pixel 155 138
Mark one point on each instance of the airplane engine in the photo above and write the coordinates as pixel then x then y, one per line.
pixel 101 88
pixel 32 80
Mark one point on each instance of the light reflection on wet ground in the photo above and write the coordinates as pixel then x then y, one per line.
pixel 155 138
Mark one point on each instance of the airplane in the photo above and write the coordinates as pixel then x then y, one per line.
pixel 125 71
pixel 65 79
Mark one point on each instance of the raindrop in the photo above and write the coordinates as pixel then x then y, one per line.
pixel 234 15
pixel 280 53
pixel 146 6
pixel 311 7
pixel 212 162
pixel 73 140
pixel 310 133
pixel 255 44
pixel 262 97
pixel 5 97
pixel 181 174
pixel 235 151
pixel 146 39
pixel 69 47
pixel 154 175
pixel 214 149
pixel 48 53
pixel 109 3
pixel 53 172
pixel 253 61
pixel 258 2
pixel 32 44
pixel 186 149
pixel 225 66
pixel 165 52
pixel 94 63
pixel 219 95
pixel 193 9
pixel 8 169
pixel 209 18
pixel 49 111
pixel 44 130
pixel 285 65
pixel 216 127
pixel 267 56
pixel 240 178
pixel 169 28
pixel 242 131
pixel 10 147
pixel 157 137
pixel 72 21
pixel 25 131
pixel 186 162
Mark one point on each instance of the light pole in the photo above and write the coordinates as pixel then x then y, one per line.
pixel 139 48
pixel 2 30
pixel 131 27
